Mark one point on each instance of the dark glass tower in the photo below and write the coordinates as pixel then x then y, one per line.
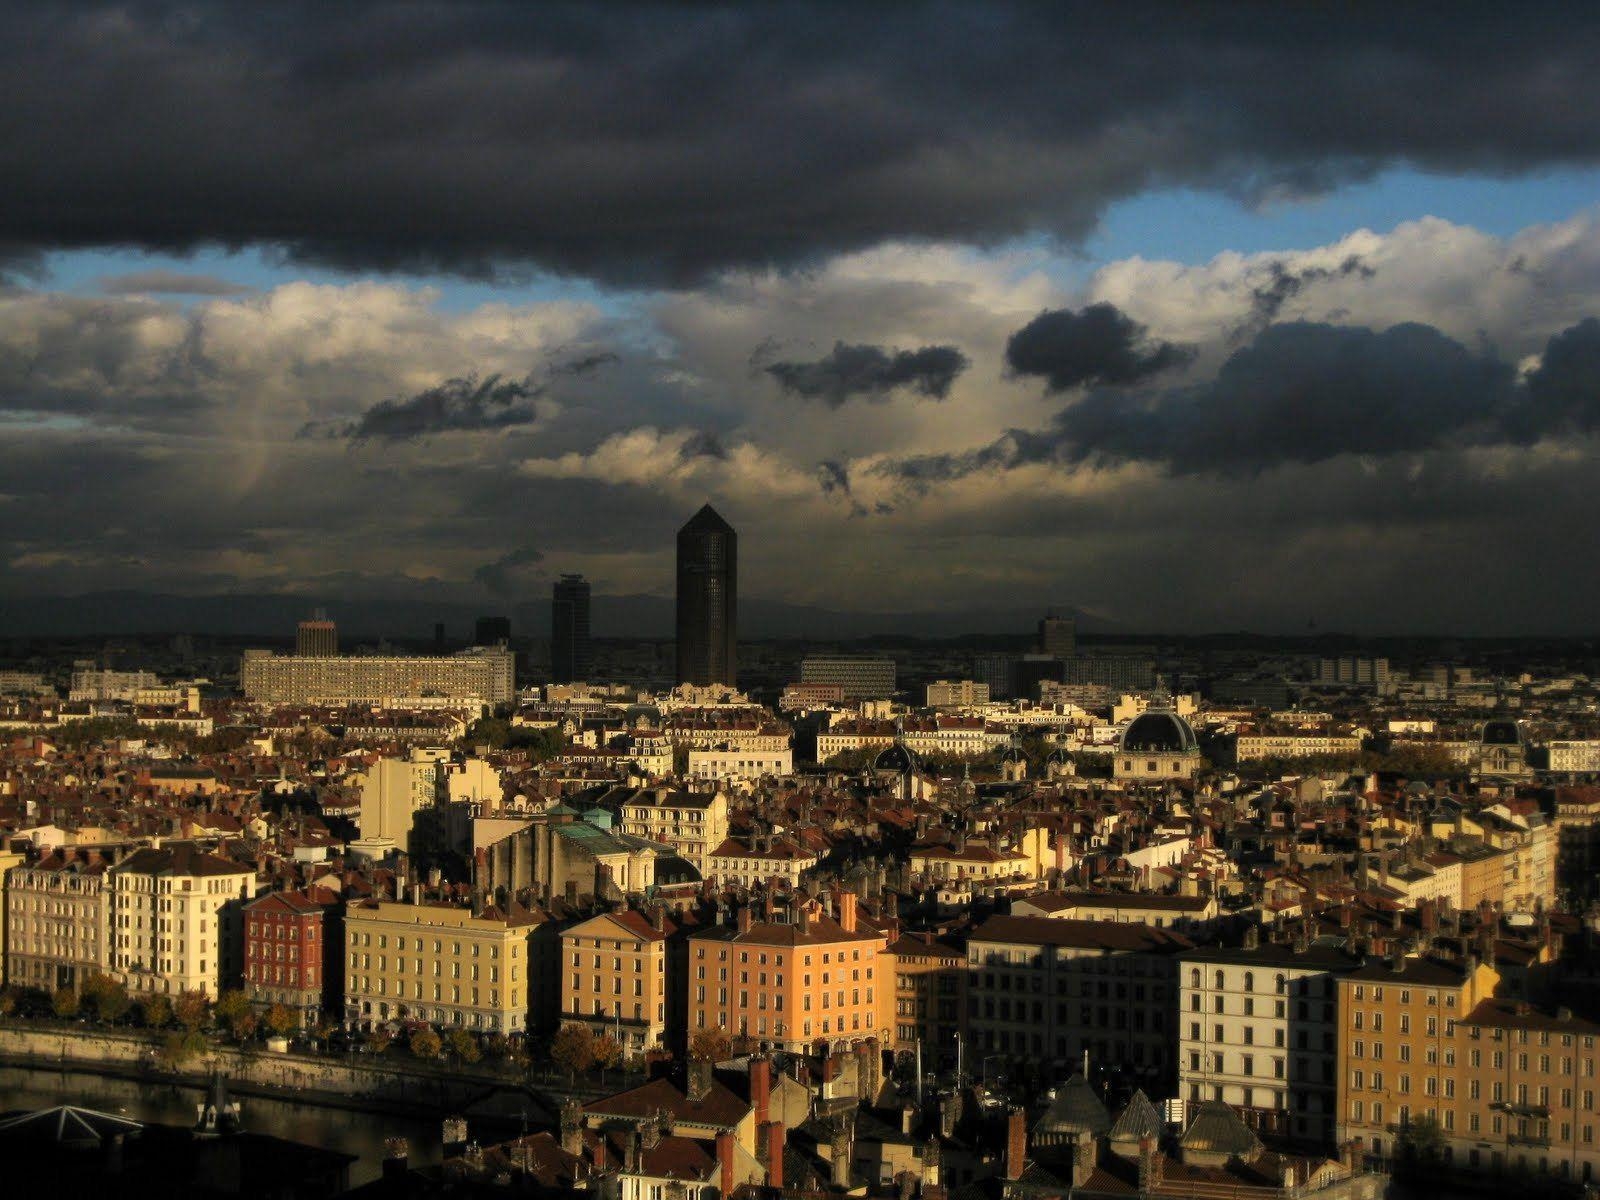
pixel 708 558
pixel 571 648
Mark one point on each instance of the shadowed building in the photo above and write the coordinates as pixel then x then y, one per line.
pixel 707 600
pixel 571 647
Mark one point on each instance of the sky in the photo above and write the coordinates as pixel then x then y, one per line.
pixel 1189 317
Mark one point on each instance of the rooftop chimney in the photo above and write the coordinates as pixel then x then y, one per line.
pixel 775 1142
pixel 847 911
pixel 1016 1143
pixel 725 1160
pixel 760 1086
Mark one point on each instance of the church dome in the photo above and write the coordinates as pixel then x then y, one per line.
pixel 1501 732
pixel 896 758
pixel 1158 731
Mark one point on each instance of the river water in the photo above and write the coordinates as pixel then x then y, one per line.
pixel 350 1132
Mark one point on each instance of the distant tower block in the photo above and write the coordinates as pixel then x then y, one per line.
pixel 317 638
pixel 1058 635
pixel 571 645
pixel 708 552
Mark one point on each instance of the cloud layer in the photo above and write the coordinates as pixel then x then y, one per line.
pixel 1346 456
pixel 646 142
pixel 871 372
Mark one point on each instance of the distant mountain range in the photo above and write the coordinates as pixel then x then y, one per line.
pixel 274 616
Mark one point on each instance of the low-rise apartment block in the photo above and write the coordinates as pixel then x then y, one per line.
pixel 58 921
pixel 439 963
pixel 176 920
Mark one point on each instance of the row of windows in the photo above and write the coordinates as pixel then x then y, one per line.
pixel 400 943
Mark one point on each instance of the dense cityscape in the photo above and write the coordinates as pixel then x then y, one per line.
pixel 1086 917
pixel 707 601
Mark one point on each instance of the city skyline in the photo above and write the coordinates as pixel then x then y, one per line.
pixel 1206 322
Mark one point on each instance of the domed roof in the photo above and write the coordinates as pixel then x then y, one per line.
pixel 1158 730
pixel 1502 731
pixel 896 758
pixel 1076 1109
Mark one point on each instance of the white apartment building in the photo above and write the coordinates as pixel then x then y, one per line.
pixel 57 918
pixel 484 673
pixel 740 764
pixel 1577 757
pixel 692 823
pixel 90 683
pixel 957 693
pixel 1296 743
pixel 758 859
pixel 1258 1029
pixel 175 920
pixel 392 790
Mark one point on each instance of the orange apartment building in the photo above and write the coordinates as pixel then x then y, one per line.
pixel 790 985
pixel 614 976
pixel 1511 1087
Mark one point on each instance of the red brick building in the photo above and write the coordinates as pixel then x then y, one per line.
pixel 290 951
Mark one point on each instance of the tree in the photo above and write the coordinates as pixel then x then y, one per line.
pixel 607 1052
pixel 156 1012
pixel 572 1049
pixel 180 1048
pixel 425 1043
pixel 709 1045
pixel 64 1003
pixel 232 1008
pixel 465 1046
pixel 8 1001
pixel 380 1039
pixel 496 1045
pixel 106 997
pixel 192 1010
pixel 281 1021
pixel 1421 1143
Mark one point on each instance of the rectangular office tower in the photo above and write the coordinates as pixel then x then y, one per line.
pixel 571 647
pixel 707 600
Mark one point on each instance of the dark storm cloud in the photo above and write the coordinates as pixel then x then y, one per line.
pixel 585 364
pixel 459 404
pixel 654 142
pixel 871 372
pixel 1304 393
pixel 1564 392
pixel 501 576
pixel 1284 284
pixel 833 476
pixel 1301 393
pixel 1099 344
pixel 175 283
pixel 704 444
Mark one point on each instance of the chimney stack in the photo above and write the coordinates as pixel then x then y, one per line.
pixel 847 911
pixel 725 1160
pixel 1016 1143
pixel 775 1143
pixel 760 1087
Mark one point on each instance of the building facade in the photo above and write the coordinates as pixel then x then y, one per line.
pixel 708 608
pixel 57 921
pixel 788 985
pixel 571 641
pixel 290 953
pixel 1059 990
pixel 1258 1030
pixel 614 977
pixel 438 963
pixel 485 674
pixel 176 920
pixel 861 678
